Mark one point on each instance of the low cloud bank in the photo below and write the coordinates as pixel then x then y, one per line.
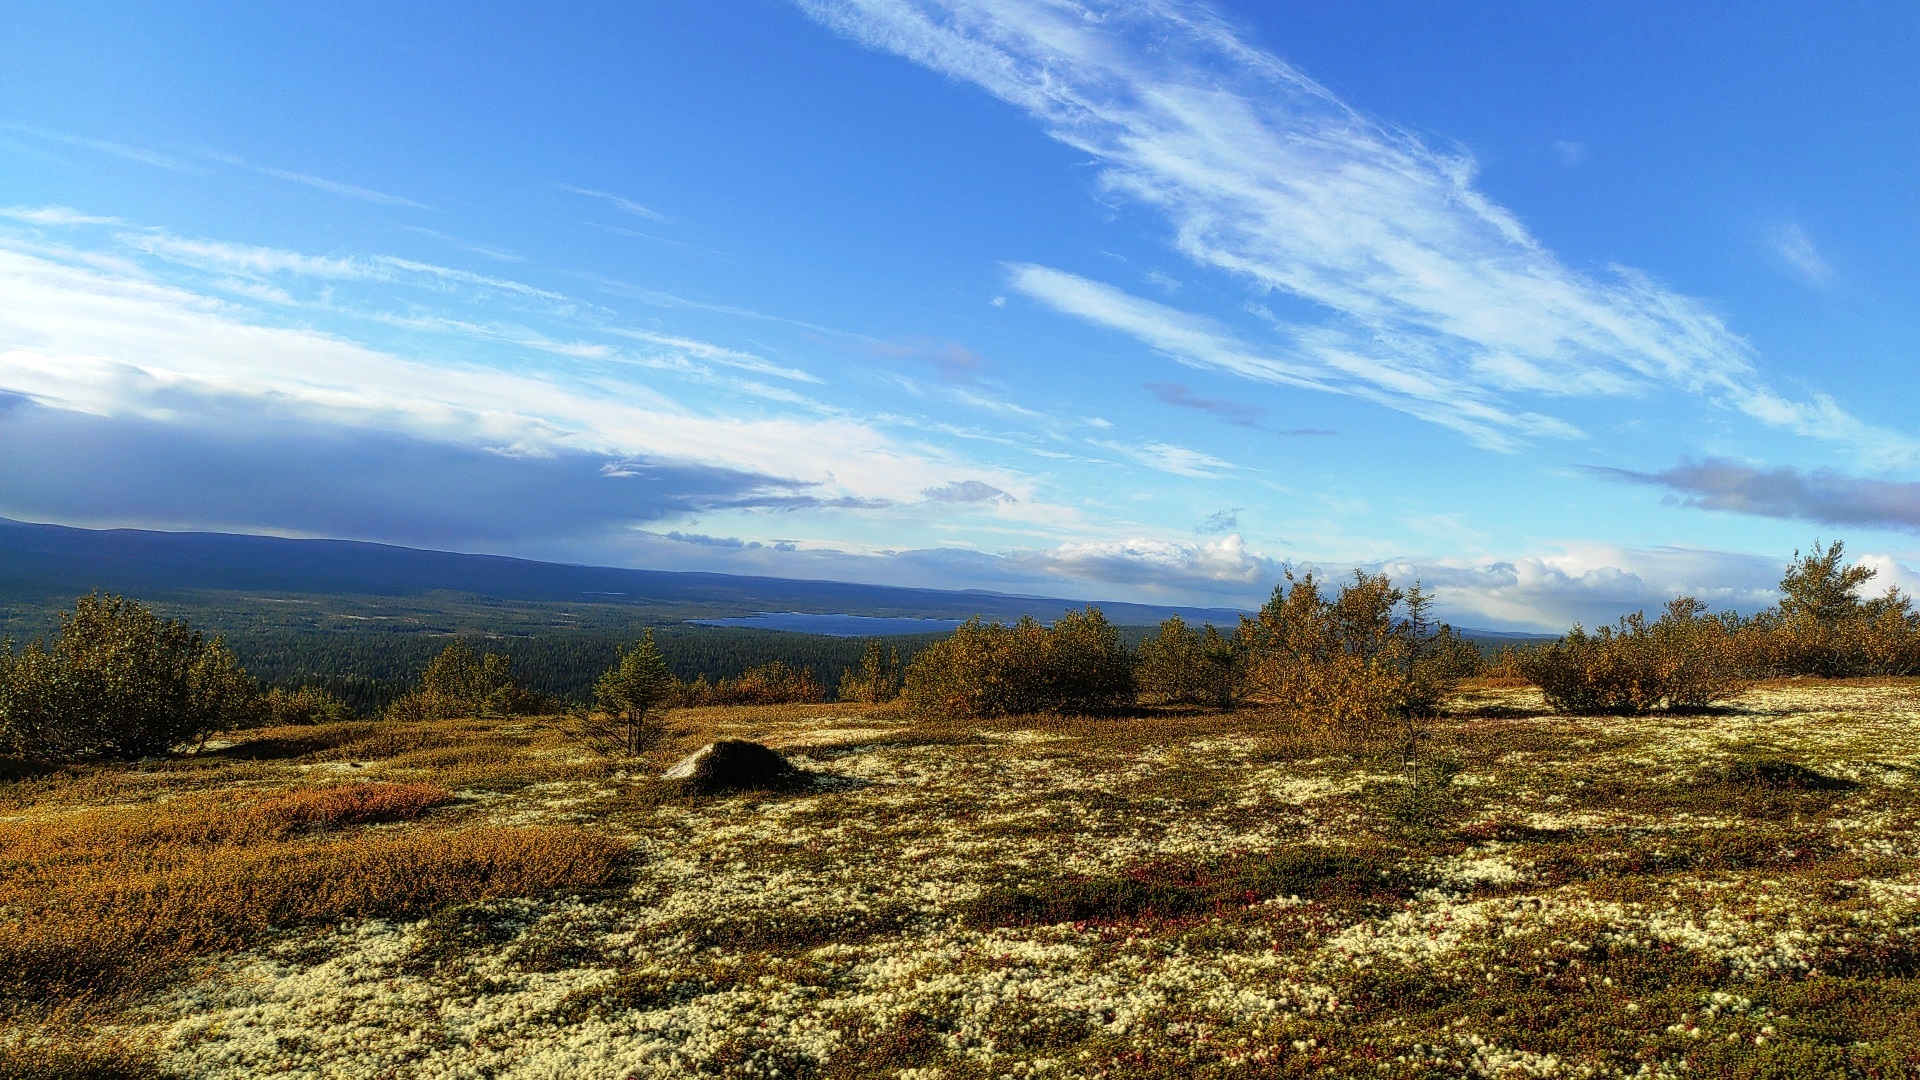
pixel 244 470
pixel 1826 496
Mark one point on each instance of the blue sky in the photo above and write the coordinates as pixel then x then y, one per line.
pixel 1561 311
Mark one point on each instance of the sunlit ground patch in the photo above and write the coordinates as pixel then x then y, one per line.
pixel 1166 896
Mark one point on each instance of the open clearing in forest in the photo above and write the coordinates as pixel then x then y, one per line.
pixel 1731 894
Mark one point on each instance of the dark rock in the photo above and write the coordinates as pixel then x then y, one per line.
pixel 736 765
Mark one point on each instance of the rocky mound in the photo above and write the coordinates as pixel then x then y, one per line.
pixel 735 765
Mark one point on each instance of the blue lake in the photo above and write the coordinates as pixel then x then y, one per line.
pixel 835 625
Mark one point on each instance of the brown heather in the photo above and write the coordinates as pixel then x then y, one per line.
pixel 98 902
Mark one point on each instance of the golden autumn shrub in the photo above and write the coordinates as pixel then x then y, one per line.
pixel 775 683
pixel 1367 654
pixel 1076 665
pixel 1687 659
pixel 1181 665
pixel 878 679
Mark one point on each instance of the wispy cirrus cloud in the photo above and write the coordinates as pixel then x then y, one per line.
pixel 192 160
pixel 620 203
pixel 139 154
pixel 319 183
pixel 1437 300
pixel 1826 496
pixel 496 254
pixel 271 274
pixel 255 260
pixel 1322 360
pixel 1795 250
pixel 1167 458
pixel 55 215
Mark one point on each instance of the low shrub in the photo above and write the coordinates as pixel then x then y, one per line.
pixel 350 804
pixel 1779 775
pixel 1686 659
pixel 1169 889
pixel 1179 665
pixel 73 1050
pixel 102 902
pixel 1368 654
pixel 302 705
pixel 1078 665
pixel 776 683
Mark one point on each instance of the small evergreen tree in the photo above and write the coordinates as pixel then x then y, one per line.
pixel 118 682
pixel 635 688
pixel 1818 589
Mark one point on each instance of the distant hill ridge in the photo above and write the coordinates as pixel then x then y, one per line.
pixel 41 564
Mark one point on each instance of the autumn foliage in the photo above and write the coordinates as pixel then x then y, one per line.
pixel 1078 664
pixel 1368 653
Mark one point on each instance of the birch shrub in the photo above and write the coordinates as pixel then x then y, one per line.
pixel 1368 654
pixel 1076 665
pixel 1687 659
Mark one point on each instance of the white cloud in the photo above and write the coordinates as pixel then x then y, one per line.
pixel 335 187
pixel 1429 287
pixel 120 150
pixel 1571 152
pixel 1167 458
pixel 1223 566
pixel 54 215
pixel 80 338
pixel 1794 248
pixel 253 260
pixel 1889 572
pixel 628 205
pixel 1317 360
pixel 1588 583
pixel 319 183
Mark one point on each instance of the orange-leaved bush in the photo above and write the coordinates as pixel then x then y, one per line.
pixel 1078 665
pixel 1367 654
pixel 1687 659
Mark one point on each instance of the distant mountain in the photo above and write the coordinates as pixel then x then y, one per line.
pixel 48 565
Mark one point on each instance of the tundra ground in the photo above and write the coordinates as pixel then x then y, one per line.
pixel 1175 895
